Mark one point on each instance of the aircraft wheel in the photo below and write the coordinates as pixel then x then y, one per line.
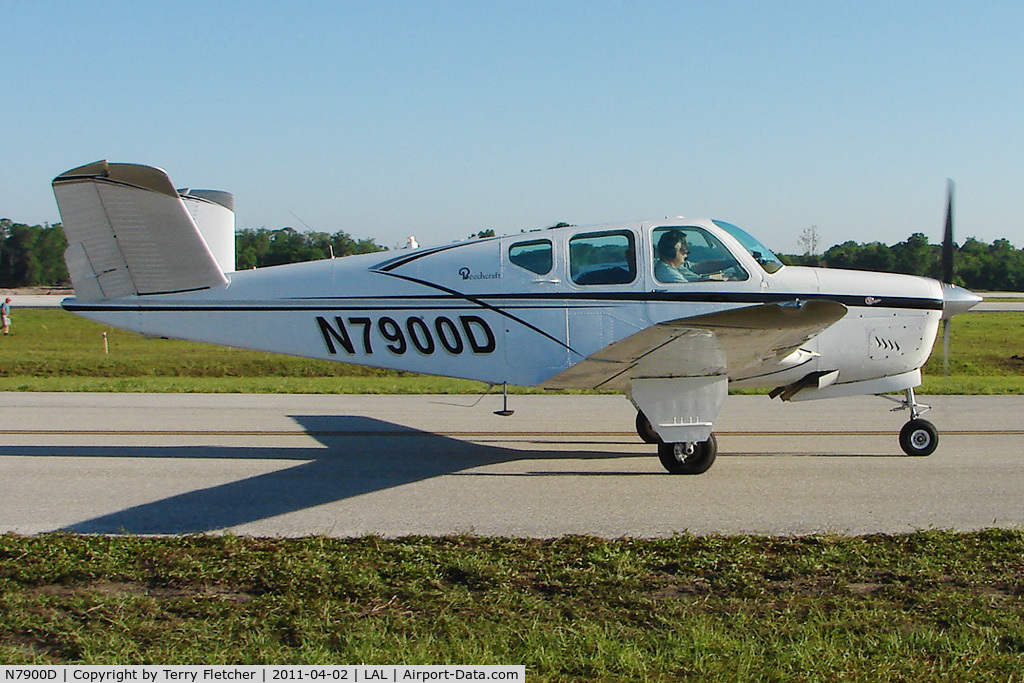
pixel 688 458
pixel 645 430
pixel 919 437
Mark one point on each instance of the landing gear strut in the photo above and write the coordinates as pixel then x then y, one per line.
pixel 918 437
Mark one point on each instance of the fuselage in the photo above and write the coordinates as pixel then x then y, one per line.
pixel 523 308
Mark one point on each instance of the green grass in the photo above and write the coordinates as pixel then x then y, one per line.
pixel 986 356
pixel 983 344
pixel 52 350
pixel 926 606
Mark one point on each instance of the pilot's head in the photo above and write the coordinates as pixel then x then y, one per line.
pixel 671 244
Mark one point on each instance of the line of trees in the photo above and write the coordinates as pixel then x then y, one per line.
pixel 993 267
pixel 256 248
pixel 32 255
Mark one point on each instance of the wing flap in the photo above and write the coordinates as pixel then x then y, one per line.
pixel 734 342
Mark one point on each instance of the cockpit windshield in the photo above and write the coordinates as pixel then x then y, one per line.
pixel 767 260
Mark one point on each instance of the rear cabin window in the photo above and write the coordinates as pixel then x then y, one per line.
pixel 535 256
pixel 602 258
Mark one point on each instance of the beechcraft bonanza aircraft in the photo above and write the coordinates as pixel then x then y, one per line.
pixel 672 312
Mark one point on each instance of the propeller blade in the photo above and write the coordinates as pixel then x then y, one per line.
pixel 947 268
pixel 947 237
pixel 945 347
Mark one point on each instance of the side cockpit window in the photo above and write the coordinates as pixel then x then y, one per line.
pixel 691 254
pixel 602 258
pixel 534 255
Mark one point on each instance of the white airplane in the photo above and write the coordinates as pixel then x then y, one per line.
pixel 619 306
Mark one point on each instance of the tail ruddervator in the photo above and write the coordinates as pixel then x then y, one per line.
pixel 130 233
pixel 672 312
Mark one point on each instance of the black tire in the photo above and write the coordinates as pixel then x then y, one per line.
pixel 674 458
pixel 645 430
pixel 919 437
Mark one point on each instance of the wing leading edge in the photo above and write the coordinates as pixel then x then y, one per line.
pixel 740 342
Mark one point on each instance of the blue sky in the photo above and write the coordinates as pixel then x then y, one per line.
pixel 439 119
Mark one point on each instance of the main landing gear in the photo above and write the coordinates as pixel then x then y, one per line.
pixel 688 458
pixel 679 458
pixel 645 430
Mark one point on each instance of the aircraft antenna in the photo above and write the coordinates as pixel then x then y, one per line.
pixel 504 412
pixel 301 221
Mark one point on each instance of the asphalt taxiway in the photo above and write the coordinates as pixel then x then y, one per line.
pixel 397 465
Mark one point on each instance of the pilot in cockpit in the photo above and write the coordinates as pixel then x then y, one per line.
pixel 672 265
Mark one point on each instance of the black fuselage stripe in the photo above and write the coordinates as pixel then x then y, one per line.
pixel 520 303
pixel 501 311
pixel 215 308
pixel 853 300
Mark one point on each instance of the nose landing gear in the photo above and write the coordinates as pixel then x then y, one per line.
pixel 918 437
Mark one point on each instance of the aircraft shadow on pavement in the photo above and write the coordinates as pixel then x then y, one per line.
pixel 360 455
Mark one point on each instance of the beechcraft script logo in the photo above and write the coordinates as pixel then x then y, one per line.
pixel 467 274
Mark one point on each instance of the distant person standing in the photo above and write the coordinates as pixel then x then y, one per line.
pixel 5 314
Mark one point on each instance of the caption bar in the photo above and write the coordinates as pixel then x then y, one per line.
pixel 261 674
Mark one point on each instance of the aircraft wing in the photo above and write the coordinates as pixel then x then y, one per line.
pixel 738 342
